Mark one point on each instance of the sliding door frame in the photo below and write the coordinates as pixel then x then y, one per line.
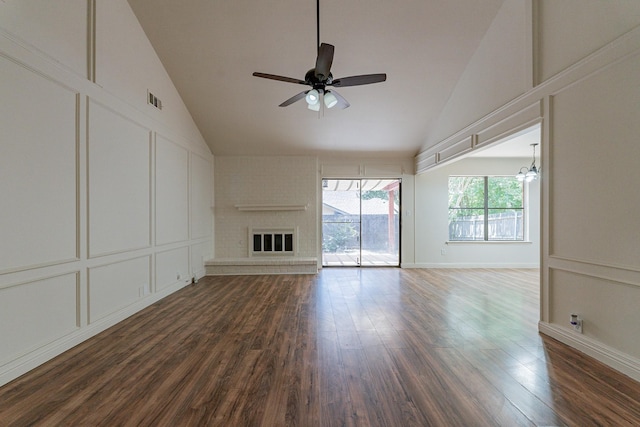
pixel 359 263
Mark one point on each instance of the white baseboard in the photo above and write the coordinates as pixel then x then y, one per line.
pixel 617 360
pixel 469 265
pixel 199 274
pixel 22 365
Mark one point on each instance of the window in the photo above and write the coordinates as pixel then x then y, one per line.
pixel 486 208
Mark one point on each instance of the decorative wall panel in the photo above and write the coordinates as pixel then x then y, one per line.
pixel 113 287
pixel 201 194
pixel 510 125
pixel 78 242
pixel 38 23
pixel 593 203
pixel 603 305
pixel 172 267
pixel 172 192
pixel 38 169
pixel 37 313
pixel 119 183
pixel 199 253
pixel 456 149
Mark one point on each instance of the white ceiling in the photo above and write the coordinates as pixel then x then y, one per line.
pixel 517 145
pixel 211 47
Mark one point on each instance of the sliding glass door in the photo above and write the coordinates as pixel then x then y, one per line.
pixel 360 222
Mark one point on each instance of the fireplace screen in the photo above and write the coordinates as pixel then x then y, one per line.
pixel 272 242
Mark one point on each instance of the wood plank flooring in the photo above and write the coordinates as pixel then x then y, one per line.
pixel 348 347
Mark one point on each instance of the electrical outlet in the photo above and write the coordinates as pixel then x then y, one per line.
pixel 576 323
pixel 443 251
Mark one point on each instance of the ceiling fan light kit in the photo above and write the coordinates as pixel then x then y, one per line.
pixel 330 100
pixel 312 97
pixel 320 77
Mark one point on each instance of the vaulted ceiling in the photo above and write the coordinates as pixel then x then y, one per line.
pixel 210 49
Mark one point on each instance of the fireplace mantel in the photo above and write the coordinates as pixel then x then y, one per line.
pixel 259 207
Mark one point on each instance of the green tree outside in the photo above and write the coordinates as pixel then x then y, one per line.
pixel 467 195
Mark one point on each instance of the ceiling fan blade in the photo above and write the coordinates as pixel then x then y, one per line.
pixel 324 61
pixel 280 78
pixel 365 79
pixel 342 103
pixel 293 99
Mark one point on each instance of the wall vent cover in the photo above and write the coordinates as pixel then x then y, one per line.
pixel 154 100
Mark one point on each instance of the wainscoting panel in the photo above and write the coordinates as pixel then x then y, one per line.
pixel 112 287
pixel 609 309
pixel 201 195
pixel 199 253
pixel 341 170
pixel 382 171
pixel 37 313
pixel 119 183
pixel 425 161
pixel 511 125
pixel 37 23
pixel 172 192
pixel 593 216
pixel 172 267
pixel 38 169
pixel 78 236
pixel 457 149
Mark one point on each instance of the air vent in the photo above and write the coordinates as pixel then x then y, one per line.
pixel 154 100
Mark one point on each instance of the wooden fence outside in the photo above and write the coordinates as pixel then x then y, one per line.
pixel 502 226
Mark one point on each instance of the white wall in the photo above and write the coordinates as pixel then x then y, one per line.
pixel 586 59
pixel 506 50
pixel 570 30
pixel 593 256
pixel 106 201
pixel 432 229
pixel 385 167
pixel 247 180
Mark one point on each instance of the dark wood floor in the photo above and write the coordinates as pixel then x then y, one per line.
pixel 348 347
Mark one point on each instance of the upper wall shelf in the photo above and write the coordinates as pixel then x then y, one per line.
pixel 270 207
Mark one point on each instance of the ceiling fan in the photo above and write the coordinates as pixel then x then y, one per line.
pixel 320 78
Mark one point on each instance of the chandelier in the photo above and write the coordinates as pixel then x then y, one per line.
pixel 531 173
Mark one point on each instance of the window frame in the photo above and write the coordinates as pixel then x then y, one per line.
pixel 486 209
